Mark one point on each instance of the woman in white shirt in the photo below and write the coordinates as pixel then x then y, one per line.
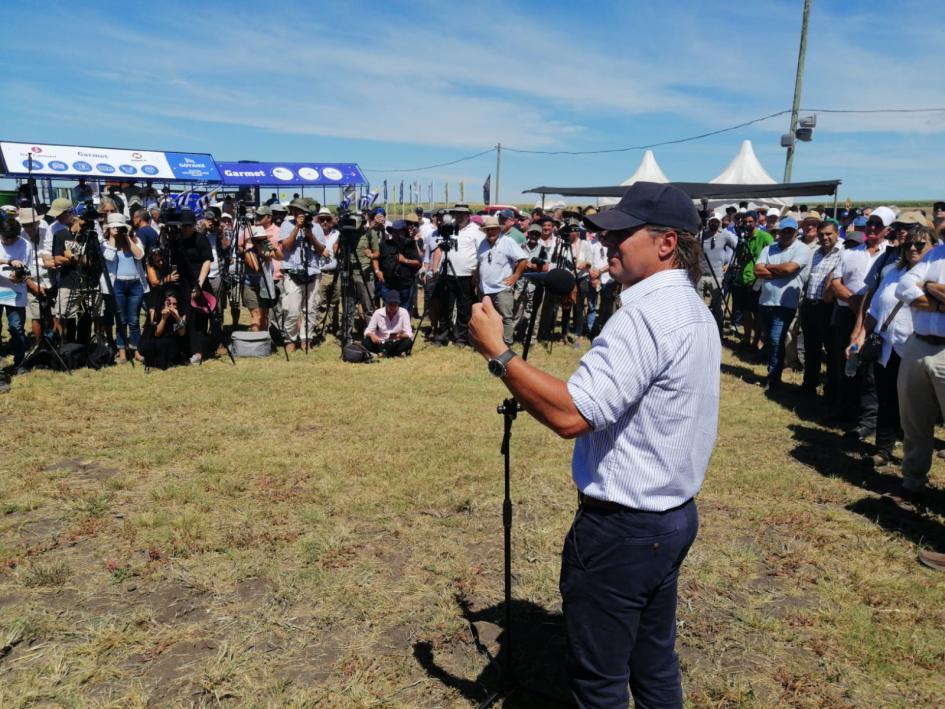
pixel 123 260
pixel 883 306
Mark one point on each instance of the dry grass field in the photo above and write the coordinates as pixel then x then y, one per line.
pixel 314 533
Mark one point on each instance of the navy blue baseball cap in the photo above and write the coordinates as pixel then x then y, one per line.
pixel 649 203
pixel 399 225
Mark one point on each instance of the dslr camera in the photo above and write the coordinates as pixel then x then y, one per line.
pixel 446 232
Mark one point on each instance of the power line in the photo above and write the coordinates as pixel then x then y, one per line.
pixel 430 167
pixel 675 141
pixel 651 145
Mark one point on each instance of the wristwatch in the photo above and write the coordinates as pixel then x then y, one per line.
pixel 498 366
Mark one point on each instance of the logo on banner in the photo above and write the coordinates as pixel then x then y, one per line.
pixel 308 173
pixel 332 173
pixel 128 169
pixel 105 167
pixel 149 170
pixel 282 173
pixel 37 165
pixel 36 149
pixel 58 166
pixel 82 166
pixel 137 156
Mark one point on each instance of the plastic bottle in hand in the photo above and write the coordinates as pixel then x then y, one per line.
pixel 853 361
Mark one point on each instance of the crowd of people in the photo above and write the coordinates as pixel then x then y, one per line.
pixel 857 302
pixel 129 278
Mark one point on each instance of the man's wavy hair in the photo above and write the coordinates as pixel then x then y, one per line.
pixel 688 254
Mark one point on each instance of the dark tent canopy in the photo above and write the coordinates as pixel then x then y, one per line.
pixel 707 190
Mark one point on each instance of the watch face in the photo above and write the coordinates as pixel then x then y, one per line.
pixel 496 367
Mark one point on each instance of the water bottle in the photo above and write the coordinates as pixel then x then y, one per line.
pixel 853 362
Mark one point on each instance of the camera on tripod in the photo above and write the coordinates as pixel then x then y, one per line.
pixel 89 215
pixel 17 273
pixel 541 259
pixel 446 232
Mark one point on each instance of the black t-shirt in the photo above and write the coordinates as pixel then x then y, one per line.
pixel 189 255
pixel 64 240
pixel 388 250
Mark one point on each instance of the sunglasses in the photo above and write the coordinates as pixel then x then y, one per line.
pixel 917 245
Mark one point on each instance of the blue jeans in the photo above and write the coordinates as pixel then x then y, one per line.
pixel 775 321
pixel 406 294
pixel 128 297
pixel 619 571
pixel 16 317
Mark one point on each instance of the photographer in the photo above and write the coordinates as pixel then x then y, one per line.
pixel 537 261
pixel 35 230
pixel 302 244
pixel 718 250
pixel 192 255
pixel 328 300
pixel 501 263
pixel 16 257
pixel 399 260
pixel 457 287
pixel 66 258
pixel 164 342
pixel 259 288
pixel 123 254
pixel 389 331
pixel 745 291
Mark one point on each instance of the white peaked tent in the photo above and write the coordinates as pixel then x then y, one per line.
pixel 746 169
pixel 649 171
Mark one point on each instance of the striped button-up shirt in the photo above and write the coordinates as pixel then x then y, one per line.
pixel 649 388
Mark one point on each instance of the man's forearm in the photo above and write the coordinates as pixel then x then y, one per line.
pixel 545 397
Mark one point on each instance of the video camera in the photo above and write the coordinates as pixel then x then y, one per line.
pixel 446 231
pixel 541 259
pixel 351 227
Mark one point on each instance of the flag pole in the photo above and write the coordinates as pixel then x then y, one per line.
pixel 498 162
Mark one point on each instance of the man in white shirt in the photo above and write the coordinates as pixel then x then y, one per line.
pixel 501 264
pixel 457 286
pixel 303 245
pixel 40 237
pixel 16 257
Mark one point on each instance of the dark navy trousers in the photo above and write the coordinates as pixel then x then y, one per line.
pixel 619 570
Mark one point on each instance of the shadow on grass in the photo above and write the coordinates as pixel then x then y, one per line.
pixel 742 372
pixel 537 657
pixel 897 518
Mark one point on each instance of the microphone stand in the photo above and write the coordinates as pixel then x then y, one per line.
pixel 509 409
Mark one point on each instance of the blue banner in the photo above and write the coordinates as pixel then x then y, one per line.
pixel 193 166
pixel 290 173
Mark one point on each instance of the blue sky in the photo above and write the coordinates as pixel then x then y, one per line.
pixel 399 85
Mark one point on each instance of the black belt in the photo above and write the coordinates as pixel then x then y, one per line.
pixel 608 506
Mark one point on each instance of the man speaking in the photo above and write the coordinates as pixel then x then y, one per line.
pixel 643 408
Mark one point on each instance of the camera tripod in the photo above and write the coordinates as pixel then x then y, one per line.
pixel 438 285
pixel 44 345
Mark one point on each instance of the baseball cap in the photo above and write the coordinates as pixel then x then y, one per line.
pixel 263 211
pixel 859 221
pixel 60 205
pixel 857 236
pixel 392 297
pixel 259 233
pixel 27 216
pixel 398 225
pixel 504 215
pixel 325 212
pixel 649 203
pixel 226 215
pixel 380 210
pixel 788 223
pixel 885 214
pixel 533 229
pixel 938 207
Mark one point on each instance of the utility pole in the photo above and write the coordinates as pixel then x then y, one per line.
pixel 796 106
pixel 498 162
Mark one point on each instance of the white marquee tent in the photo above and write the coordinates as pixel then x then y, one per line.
pixel 649 171
pixel 746 169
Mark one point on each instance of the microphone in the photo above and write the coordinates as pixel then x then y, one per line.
pixel 559 281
